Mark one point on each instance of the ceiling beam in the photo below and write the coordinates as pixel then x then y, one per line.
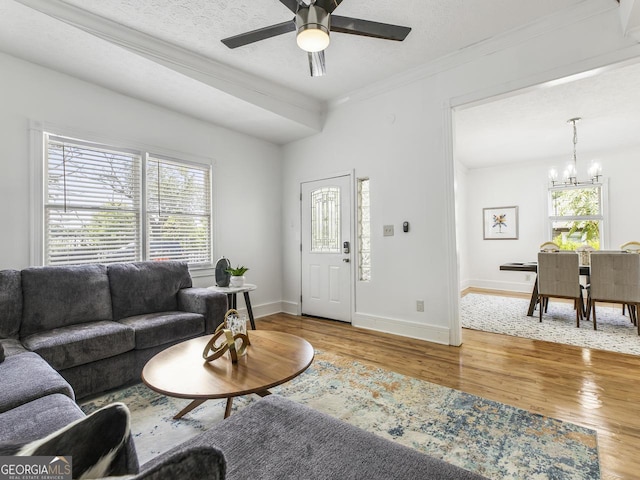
pixel 630 18
pixel 257 91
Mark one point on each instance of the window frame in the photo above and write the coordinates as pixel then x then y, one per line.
pixel 601 218
pixel 38 132
pixel 364 269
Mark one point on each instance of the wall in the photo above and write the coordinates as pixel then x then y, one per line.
pixel 247 171
pixel 526 186
pixel 400 137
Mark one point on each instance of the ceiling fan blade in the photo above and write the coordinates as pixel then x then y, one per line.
pixel 328 5
pixel 316 63
pixel 291 5
pixel 367 28
pixel 259 34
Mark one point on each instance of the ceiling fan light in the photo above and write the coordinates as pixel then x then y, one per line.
pixel 312 39
pixel 313 26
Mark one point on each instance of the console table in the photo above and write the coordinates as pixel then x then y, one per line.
pixel 231 293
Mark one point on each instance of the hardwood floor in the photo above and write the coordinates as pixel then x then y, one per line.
pixel 592 388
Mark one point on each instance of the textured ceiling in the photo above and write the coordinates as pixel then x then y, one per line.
pixel 532 125
pixel 439 27
pixel 168 52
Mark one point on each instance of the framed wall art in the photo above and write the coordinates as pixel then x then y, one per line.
pixel 500 223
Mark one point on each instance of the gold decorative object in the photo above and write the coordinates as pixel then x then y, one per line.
pixel 227 332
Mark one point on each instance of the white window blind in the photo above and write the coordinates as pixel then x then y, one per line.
pixel 178 211
pixel 105 204
pixel 92 203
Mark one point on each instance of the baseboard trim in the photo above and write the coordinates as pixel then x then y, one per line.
pixel 520 287
pixel 263 310
pixel 403 328
pixel 289 307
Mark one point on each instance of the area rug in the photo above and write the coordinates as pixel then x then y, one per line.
pixel 508 315
pixel 490 438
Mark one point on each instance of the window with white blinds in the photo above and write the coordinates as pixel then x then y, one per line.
pixel 94 206
pixel 178 211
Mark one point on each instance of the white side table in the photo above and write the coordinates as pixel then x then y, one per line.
pixel 233 302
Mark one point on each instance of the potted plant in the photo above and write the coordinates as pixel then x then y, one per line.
pixel 237 276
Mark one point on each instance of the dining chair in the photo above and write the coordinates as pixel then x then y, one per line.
pixel 630 247
pixel 549 247
pixel 615 278
pixel 559 277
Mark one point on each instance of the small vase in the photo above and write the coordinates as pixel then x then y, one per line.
pixel 236 281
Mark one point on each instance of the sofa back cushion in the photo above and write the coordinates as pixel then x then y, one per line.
pixel 10 303
pixel 146 287
pixel 59 296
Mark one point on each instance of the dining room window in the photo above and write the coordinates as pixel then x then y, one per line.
pixel 576 216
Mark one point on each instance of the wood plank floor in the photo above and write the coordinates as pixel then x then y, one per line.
pixel 592 388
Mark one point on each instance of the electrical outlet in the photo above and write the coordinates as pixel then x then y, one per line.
pixel 387 230
pixel 420 305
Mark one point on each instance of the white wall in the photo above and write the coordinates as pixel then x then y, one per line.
pixel 247 171
pixel 401 140
pixel 526 186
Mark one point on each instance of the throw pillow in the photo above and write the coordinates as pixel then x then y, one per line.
pixel 94 443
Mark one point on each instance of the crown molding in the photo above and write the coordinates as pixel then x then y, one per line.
pixel 569 16
pixel 265 94
pixel 630 18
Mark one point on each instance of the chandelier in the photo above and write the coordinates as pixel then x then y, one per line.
pixel 570 174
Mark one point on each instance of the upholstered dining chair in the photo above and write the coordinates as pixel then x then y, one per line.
pixel 630 247
pixel 549 247
pixel 615 278
pixel 559 277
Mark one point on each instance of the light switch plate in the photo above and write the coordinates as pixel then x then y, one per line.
pixel 387 230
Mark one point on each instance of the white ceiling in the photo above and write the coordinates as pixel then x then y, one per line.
pixel 168 52
pixel 532 125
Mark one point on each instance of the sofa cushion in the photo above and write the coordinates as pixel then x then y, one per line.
pixel 59 296
pixel 97 443
pixel 146 287
pixel 38 418
pixel 67 347
pixel 10 303
pixel 186 463
pixel 26 377
pixel 153 329
pixel 11 346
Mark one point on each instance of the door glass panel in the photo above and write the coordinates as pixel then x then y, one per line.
pixel 325 220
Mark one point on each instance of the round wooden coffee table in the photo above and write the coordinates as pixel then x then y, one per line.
pixel 272 358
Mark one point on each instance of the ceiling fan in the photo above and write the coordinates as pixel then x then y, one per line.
pixel 313 22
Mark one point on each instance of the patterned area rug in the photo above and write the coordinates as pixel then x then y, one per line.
pixel 480 435
pixel 508 315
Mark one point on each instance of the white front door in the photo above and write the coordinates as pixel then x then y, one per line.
pixel 326 248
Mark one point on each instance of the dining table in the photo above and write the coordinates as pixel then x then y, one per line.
pixel 532 267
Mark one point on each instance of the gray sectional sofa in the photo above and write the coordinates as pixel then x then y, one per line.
pixel 67 332
pixel 99 324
